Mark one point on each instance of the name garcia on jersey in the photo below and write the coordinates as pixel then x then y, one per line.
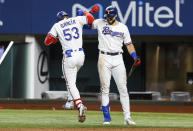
pixel 71 22
pixel 107 31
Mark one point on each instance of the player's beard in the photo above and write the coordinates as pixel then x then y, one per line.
pixel 111 21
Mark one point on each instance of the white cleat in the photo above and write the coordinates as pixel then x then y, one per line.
pixel 69 105
pixel 129 121
pixel 82 113
pixel 106 123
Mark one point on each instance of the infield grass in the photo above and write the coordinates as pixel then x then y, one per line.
pixel 68 119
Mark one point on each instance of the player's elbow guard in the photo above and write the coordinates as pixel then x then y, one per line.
pixel 50 40
pixel 89 16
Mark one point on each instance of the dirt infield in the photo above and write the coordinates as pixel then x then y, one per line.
pixel 97 129
pixel 114 107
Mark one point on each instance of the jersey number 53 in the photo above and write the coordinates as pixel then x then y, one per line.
pixel 70 33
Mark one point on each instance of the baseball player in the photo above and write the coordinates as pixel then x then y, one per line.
pixel 69 105
pixel 111 36
pixel 69 32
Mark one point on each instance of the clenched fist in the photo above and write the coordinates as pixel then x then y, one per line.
pixel 95 8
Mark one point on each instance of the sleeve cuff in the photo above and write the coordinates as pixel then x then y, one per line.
pixel 52 35
pixel 128 43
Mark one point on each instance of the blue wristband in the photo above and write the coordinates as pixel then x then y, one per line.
pixel 80 13
pixel 134 55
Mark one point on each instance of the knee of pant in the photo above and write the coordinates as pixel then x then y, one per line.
pixel 71 85
pixel 123 91
pixel 122 84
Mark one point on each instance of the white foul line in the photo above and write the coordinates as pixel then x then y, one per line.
pixel 6 51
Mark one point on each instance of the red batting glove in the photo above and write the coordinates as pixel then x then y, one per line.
pixel 137 61
pixel 95 8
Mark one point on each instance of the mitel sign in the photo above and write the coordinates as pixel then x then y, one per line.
pixel 144 17
pixel 140 13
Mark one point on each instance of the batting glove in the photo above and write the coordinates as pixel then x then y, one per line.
pixel 95 8
pixel 137 61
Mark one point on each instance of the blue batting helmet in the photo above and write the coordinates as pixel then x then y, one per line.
pixel 60 14
pixel 110 12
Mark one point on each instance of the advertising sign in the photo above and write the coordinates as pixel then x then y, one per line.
pixel 143 17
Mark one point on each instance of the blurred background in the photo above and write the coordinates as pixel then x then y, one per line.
pixel 162 33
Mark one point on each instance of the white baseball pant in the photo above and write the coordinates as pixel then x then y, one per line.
pixel 70 67
pixel 113 65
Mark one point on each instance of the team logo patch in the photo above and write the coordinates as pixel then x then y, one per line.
pixel 108 31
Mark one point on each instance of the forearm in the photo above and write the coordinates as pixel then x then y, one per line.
pixel 89 15
pixel 131 50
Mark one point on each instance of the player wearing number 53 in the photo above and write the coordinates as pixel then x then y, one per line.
pixel 69 32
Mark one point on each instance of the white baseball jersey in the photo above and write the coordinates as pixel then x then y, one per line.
pixel 111 38
pixel 69 32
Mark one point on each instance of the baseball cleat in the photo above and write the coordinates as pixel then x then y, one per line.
pixel 69 105
pixel 82 113
pixel 129 121
pixel 106 114
pixel 107 123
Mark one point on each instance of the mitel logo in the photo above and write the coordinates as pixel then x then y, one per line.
pixel 141 13
pixel 78 6
pixel 163 16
